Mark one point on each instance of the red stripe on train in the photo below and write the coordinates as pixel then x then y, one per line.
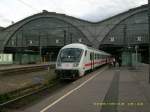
pixel 88 64
pixel 98 62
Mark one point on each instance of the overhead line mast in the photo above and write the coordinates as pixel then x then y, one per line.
pixel 149 36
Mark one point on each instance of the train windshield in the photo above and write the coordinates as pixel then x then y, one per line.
pixel 70 55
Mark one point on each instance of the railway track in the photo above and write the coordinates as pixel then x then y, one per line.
pixel 20 100
pixel 23 93
pixel 22 70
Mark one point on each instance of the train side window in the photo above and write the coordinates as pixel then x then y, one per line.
pixel 96 56
pixel 85 52
pixel 100 56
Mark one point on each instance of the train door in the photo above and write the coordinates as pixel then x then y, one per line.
pixel 92 60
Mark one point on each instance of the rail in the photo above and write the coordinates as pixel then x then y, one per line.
pixel 33 92
pixel 26 69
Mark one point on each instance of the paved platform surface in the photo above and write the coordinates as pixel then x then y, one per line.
pixel 117 89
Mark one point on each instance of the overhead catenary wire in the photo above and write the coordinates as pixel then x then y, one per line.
pixel 55 4
pixel 28 5
pixel 3 18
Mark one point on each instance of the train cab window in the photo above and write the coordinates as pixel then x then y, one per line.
pixel 71 55
pixel 100 56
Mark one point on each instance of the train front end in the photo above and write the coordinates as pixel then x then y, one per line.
pixel 68 63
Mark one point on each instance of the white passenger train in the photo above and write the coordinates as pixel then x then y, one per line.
pixel 74 60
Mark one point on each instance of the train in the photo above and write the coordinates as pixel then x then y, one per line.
pixel 76 59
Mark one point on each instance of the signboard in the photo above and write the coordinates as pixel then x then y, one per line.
pixel 6 59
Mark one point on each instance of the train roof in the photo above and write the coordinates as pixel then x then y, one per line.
pixel 75 45
pixel 79 45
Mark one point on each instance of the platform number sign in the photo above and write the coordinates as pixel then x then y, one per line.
pixel 139 38
pixel 112 39
pixel 80 40
pixel 57 41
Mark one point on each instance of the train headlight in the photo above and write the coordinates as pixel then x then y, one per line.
pixel 75 64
